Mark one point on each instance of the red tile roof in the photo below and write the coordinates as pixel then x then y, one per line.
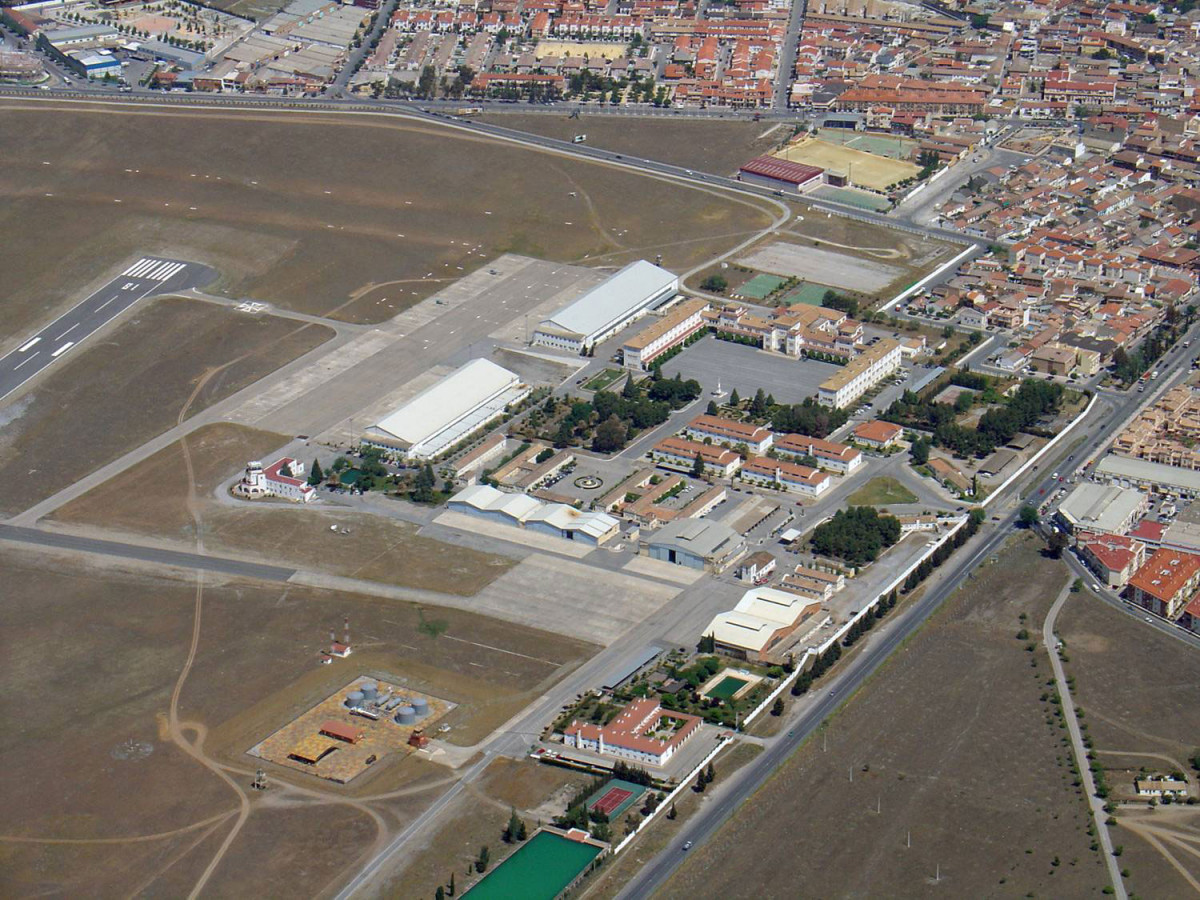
pixel 781 170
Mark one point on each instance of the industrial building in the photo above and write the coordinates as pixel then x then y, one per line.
pixel 860 374
pixel 607 308
pixel 760 622
pixel 1150 476
pixel 522 511
pixel 696 544
pixel 679 324
pixel 1101 508
pixel 442 415
pixel 643 732
pixel 780 173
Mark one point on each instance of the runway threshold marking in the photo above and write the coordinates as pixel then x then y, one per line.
pixel 63 349
pixel 27 346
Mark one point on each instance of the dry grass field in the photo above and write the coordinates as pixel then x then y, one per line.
pixel 326 214
pixel 217 452
pixel 708 146
pixel 950 740
pixel 1138 691
pixel 99 649
pixel 123 388
pixel 866 169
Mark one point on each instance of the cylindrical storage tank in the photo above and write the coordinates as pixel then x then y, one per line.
pixel 405 716
pixel 368 687
pixel 420 706
pixel 354 698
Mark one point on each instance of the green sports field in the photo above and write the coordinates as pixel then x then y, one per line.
pixel 540 869
pixel 808 293
pixel 760 286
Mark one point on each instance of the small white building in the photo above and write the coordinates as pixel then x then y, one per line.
pixel 272 482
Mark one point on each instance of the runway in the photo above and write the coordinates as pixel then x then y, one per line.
pixel 149 275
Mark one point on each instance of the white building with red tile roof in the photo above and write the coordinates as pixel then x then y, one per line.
pixel 1112 557
pixel 272 481
pixel 643 732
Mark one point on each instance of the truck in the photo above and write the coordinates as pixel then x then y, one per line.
pixel 579 139
pixel 469 111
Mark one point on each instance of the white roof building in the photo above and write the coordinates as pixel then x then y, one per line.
pixel 608 307
pixel 438 417
pixel 1103 508
pixel 521 510
pixel 762 618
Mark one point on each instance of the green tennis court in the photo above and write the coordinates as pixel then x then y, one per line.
pixel 541 869
pixel 727 687
pixel 760 286
pixel 615 798
pixel 810 293
pixel 851 197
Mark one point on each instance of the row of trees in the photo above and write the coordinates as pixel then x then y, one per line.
pixel 945 551
pixel 1128 367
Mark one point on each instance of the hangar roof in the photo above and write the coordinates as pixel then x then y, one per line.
pixel 609 301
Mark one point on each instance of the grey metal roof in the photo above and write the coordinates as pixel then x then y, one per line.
pixel 1115 466
pixel 699 537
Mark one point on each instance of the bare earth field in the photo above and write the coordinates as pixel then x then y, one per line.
pixel 271 201
pixel 950 740
pixel 1138 689
pixel 124 388
pixel 707 146
pixel 217 451
pixel 117 641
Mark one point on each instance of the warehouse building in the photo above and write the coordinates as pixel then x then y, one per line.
pixel 696 544
pixel 780 174
pixel 440 416
pixel 1149 476
pixel 1101 508
pixel 522 511
pixel 683 320
pixel 607 308
pixel 760 623
pixel 860 374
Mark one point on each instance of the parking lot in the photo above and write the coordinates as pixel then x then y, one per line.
pixel 747 369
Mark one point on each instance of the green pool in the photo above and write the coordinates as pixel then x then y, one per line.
pixel 540 869
pixel 727 687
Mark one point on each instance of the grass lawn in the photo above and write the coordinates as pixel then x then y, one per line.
pixel 880 492
pixel 604 380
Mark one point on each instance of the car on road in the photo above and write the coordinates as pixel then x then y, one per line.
pixel 687 846
pixel 1095 587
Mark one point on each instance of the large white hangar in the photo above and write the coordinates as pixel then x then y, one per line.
pixel 445 413
pixel 607 308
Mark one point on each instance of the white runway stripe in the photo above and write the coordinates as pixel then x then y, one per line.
pixel 171 272
pixel 143 267
pixel 157 272
pixel 131 269
pixel 63 349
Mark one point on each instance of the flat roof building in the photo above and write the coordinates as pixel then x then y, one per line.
pixel 607 308
pixel 696 544
pixel 860 374
pixel 1101 508
pixel 680 323
pixel 445 413
pixel 1149 476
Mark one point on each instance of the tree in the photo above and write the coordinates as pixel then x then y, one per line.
pixel 510 830
pixel 1057 544
pixel 427 85
pixel 710 774
pixel 734 399
pixel 315 475
pixel 711 409
pixel 286 470
pixel 716 284
pixel 451 889
pixel 522 831
pixel 1028 516
pixel 423 485
pixel 672 813
pixel 698 467
pixel 440 893
pixel 701 784
pixel 481 862
pixel 919 451
pixel 777 707
pixel 758 406
pixel 611 435
pixel 630 390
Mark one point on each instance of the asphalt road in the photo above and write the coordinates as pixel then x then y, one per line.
pixel 145 277
pixel 205 563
